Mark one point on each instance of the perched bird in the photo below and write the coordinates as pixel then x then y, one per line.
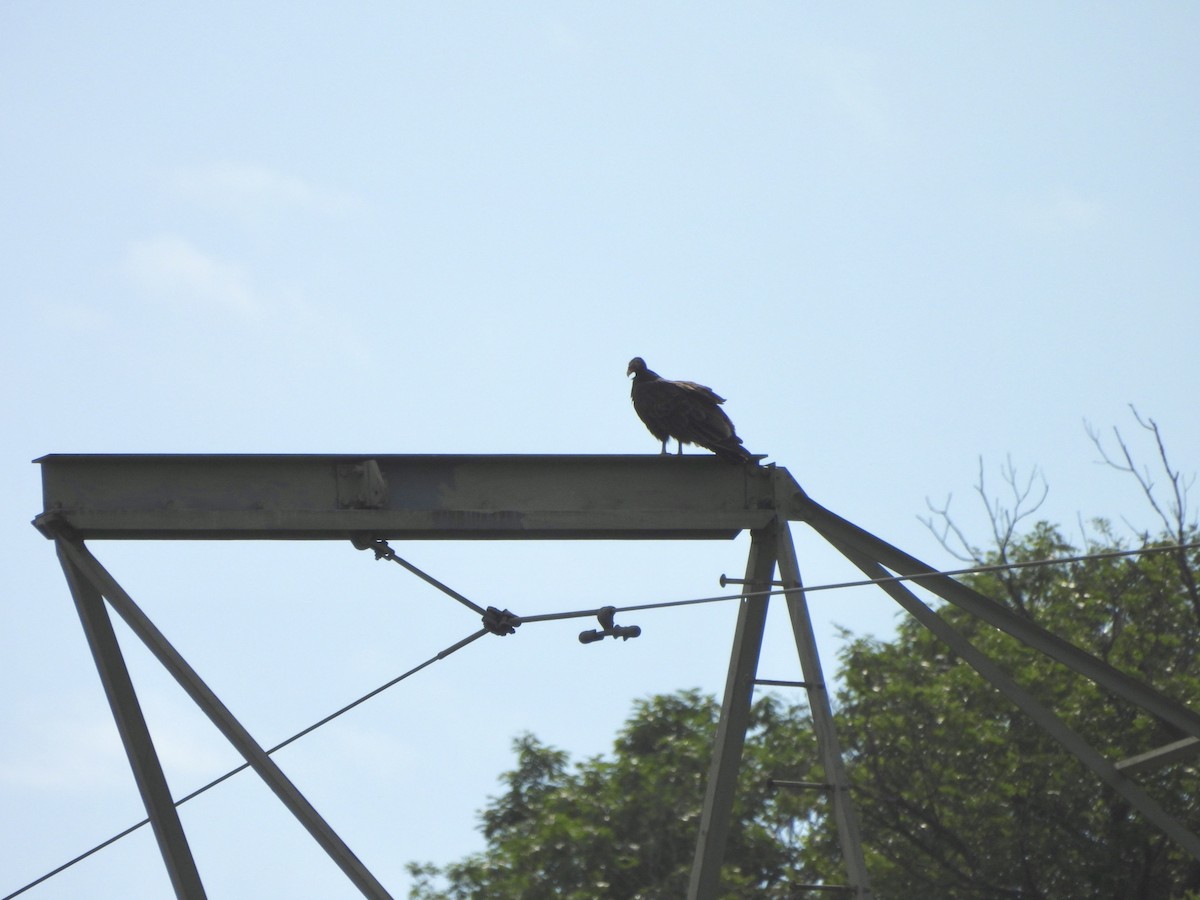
pixel 688 412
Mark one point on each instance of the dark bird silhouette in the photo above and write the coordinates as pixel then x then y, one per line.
pixel 688 412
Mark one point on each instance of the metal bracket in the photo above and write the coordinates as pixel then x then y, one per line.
pixel 608 628
pixel 500 621
pixel 726 581
pixel 360 485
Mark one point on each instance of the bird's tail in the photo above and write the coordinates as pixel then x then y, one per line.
pixel 732 451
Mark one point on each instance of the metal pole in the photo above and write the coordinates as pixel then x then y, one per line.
pixel 844 535
pixel 844 814
pixel 1047 720
pixel 139 747
pixel 704 883
pixel 220 716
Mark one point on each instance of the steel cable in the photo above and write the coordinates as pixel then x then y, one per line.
pixel 295 737
pixel 589 613
pixel 975 570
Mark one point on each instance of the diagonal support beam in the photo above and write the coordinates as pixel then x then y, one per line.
pixel 846 535
pixel 721 787
pixel 143 759
pixel 1055 727
pixel 830 749
pixel 91 570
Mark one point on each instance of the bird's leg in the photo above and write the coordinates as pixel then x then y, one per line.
pixel 666 440
pixel 679 452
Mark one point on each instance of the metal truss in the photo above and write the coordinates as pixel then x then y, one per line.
pixel 372 499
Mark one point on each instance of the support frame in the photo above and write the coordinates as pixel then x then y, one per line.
pixel 362 499
pixel 769 547
pixel 373 497
pixel 135 735
pixel 102 583
pixel 875 557
pixel 730 739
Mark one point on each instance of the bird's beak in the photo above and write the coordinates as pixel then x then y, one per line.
pixel 629 371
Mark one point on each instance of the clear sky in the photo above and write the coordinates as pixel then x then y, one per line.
pixel 899 238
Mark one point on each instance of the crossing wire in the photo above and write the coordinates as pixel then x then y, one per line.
pixel 588 613
pixel 974 570
pixel 295 737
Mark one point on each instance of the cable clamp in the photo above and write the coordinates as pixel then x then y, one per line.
pixel 500 621
pixel 381 547
pixel 609 628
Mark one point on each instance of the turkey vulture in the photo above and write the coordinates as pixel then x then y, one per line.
pixel 689 412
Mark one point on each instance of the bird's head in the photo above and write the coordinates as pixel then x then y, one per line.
pixel 637 365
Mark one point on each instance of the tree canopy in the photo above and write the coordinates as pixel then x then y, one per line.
pixel 959 794
pixel 625 826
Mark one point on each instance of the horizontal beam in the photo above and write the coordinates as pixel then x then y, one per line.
pixel 1177 751
pixel 417 497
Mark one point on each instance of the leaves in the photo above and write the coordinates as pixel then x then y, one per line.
pixel 625 826
pixel 962 796
pixel 959 795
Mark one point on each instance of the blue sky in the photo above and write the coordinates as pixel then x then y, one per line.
pixel 900 239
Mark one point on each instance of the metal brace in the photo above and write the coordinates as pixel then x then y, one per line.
pixel 360 485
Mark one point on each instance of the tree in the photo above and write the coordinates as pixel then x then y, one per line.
pixel 625 827
pixel 959 795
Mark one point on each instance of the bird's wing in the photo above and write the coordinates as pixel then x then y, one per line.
pixel 700 391
pixel 691 413
pixel 686 411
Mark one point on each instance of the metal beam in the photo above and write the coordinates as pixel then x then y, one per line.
pixel 719 793
pixel 1047 720
pixel 843 534
pixel 1177 751
pixel 139 747
pixel 89 568
pixel 830 749
pixel 456 497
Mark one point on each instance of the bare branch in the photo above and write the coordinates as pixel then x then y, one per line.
pixel 1005 516
pixel 1174 512
pixel 1179 487
pixel 947 527
pixel 1018 511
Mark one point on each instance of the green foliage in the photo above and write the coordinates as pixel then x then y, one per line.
pixel 959 795
pixel 625 827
